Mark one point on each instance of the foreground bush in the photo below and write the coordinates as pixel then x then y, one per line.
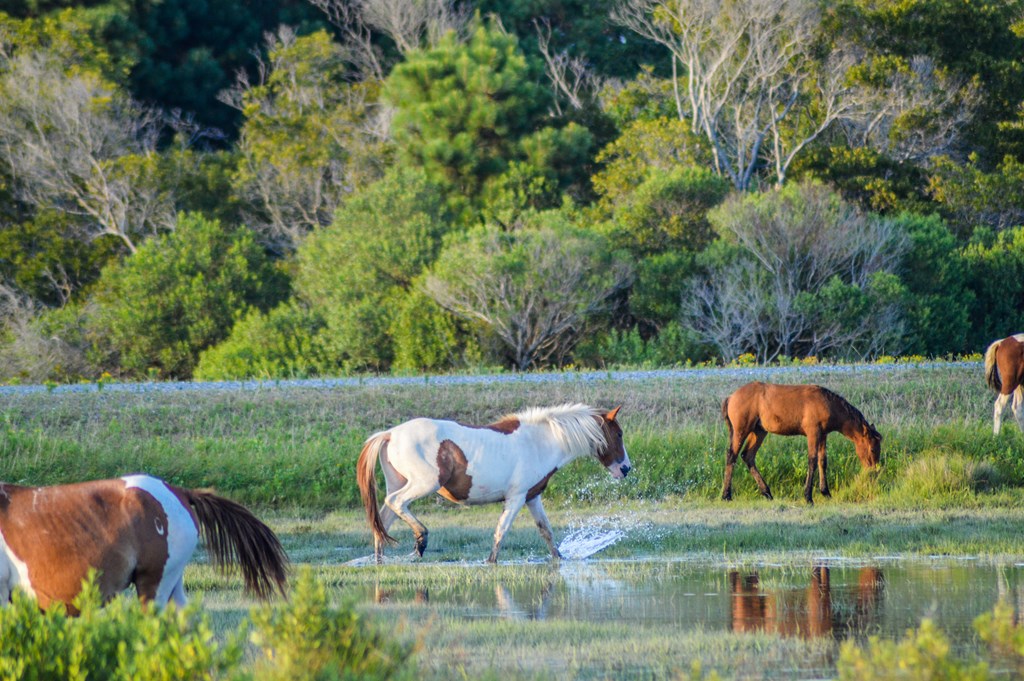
pixel 125 640
pixel 925 653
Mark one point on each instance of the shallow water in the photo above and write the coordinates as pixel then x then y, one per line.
pixel 827 599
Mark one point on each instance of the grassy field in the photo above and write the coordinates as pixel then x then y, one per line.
pixel 295 448
pixel 947 487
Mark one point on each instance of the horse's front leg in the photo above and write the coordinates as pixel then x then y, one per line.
pixel 541 518
pixel 512 507
pixel 812 464
pixel 822 467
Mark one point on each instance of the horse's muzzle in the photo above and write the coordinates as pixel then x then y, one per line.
pixel 620 470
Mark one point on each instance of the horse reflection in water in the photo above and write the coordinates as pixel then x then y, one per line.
pixel 534 607
pixel 787 614
pixel 384 596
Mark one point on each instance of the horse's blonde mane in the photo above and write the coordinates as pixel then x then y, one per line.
pixel 575 426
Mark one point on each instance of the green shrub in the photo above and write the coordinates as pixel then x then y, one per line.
pixel 672 346
pixel 356 273
pixel 123 640
pixel 923 654
pixel 303 639
pixel 180 294
pixel 282 343
pixel 1002 634
pixel 306 639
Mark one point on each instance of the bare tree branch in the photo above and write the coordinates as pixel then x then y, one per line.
pixel 74 143
pixel 540 313
pixel 570 77
pixel 747 72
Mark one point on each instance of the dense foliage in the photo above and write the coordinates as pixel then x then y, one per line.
pixel 412 186
pixel 305 638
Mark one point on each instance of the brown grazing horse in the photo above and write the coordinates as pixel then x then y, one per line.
pixel 1004 373
pixel 133 530
pixel 758 408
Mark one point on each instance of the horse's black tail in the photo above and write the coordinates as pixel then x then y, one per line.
pixel 234 536
pixel 991 370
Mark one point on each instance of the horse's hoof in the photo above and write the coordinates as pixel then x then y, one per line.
pixel 809 500
pixel 768 495
pixel 826 493
pixel 726 497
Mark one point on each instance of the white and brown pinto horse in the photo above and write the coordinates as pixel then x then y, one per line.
pixel 132 530
pixel 1004 373
pixel 510 461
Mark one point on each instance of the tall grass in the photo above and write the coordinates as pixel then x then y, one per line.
pixel 295 448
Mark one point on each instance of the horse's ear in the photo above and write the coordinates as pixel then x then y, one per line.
pixel 610 416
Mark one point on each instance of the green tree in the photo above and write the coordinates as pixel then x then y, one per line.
pixel 935 275
pixel 668 212
pixel 307 139
pixel 466 113
pixel 356 272
pixel 178 295
pixel 184 53
pixel 995 275
pixel 975 42
pixel 973 197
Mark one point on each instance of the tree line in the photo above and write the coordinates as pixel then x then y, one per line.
pixel 286 189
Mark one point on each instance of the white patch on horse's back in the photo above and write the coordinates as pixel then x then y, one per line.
pixel 1019 337
pixel 13 572
pixel 181 531
pixel 575 426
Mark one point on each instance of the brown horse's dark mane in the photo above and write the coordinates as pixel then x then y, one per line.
pixel 842 408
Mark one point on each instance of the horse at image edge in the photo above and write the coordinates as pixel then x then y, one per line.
pixel 756 409
pixel 132 530
pixel 510 460
pixel 1004 373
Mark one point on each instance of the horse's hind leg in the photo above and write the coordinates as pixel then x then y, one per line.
pixel 749 455
pixel 399 501
pixel 997 417
pixel 543 524
pixel 1018 406
pixel 387 518
pixel 737 441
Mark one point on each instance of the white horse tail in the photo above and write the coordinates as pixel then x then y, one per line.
pixel 991 370
pixel 366 467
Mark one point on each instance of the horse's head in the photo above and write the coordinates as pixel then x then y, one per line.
pixel 869 448
pixel 613 455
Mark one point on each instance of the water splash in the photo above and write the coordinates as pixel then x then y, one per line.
pixel 584 542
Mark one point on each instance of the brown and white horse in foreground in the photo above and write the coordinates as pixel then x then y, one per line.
pixel 758 408
pixel 133 530
pixel 510 460
pixel 1004 373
